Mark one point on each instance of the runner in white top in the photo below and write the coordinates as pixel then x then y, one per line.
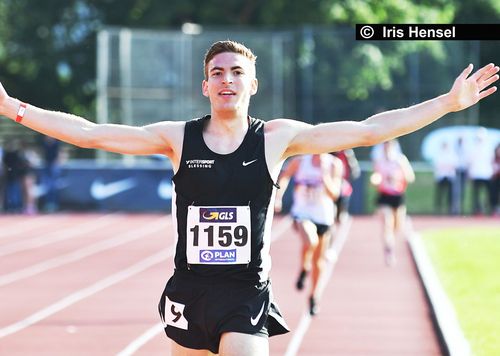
pixel 318 179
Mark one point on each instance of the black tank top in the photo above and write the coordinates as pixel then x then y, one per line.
pixel 240 178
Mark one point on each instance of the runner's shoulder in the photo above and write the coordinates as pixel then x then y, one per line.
pixel 284 127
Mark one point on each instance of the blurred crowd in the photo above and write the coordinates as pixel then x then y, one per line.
pixel 29 176
pixel 477 165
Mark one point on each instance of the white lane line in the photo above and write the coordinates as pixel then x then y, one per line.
pixel 123 238
pixel 141 340
pixel 87 292
pixel 10 229
pixel 52 237
pixel 305 320
pixel 149 334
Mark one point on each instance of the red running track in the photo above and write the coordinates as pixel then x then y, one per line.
pixel 88 284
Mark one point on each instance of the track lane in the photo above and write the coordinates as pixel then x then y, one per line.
pixel 58 240
pixel 77 253
pixel 17 228
pixel 364 301
pixel 33 294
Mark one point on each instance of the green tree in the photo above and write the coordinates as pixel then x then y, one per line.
pixel 47 53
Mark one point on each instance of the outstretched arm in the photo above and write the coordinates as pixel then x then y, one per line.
pixel 152 139
pixel 466 91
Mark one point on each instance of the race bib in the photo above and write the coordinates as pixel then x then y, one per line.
pixel 218 235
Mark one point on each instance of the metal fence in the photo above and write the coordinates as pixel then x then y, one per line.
pixel 149 76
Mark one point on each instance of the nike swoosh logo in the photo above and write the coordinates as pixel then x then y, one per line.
pixel 255 320
pixel 101 191
pixel 165 189
pixel 39 190
pixel 248 163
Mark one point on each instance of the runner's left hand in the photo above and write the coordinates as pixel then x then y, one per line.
pixel 468 90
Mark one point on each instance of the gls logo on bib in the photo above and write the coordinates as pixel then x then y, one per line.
pixel 218 215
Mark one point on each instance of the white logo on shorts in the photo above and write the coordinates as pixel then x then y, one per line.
pixel 174 314
pixel 254 321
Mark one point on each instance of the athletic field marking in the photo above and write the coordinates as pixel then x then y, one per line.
pixel 88 291
pixel 141 340
pixel 10 229
pixel 81 253
pixel 305 320
pixel 65 234
pixel 149 334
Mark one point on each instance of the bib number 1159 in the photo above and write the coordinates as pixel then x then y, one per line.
pixel 218 235
pixel 225 238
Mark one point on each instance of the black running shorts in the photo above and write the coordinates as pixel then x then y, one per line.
pixel 197 311
pixel 394 201
pixel 321 229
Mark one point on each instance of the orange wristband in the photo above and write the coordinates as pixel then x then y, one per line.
pixel 20 112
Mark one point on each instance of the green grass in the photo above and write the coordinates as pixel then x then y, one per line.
pixel 467 262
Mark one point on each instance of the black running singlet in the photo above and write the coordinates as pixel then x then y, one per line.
pixel 222 206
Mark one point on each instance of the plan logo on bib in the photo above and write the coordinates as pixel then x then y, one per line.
pixel 218 256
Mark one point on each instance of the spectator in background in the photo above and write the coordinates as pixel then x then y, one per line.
pixel 460 176
pixel 50 172
pixel 29 181
pixel 445 165
pixel 16 168
pixel 480 171
pixel 495 182
pixel 391 175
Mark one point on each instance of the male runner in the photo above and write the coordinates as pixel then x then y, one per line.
pixel 225 165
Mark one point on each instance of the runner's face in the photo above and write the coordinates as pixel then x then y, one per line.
pixel 231 82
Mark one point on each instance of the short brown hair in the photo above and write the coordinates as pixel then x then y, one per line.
pixel 226 46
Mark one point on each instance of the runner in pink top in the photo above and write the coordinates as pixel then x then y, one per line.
pixel 392 173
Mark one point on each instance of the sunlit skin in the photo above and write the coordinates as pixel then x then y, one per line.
pixel 229 85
